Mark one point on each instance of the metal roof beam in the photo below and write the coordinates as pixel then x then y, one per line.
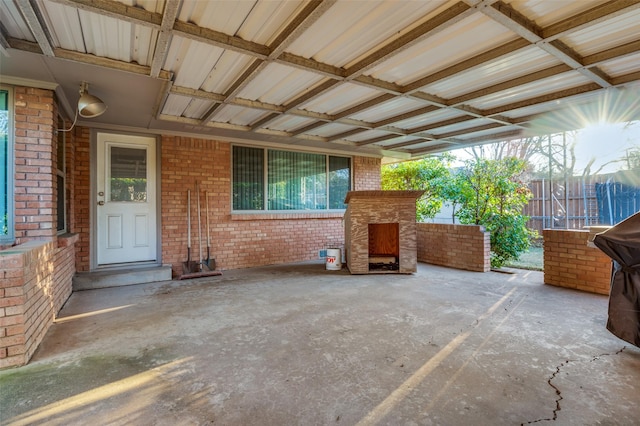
pixel 589 18
pixel 308 127
pixel 363 106
pixel 115 9
pixel 108 63
pixel 585 88
pixel 510 84
pixel 469 130
pixel 309 14
pixel 439 124
pixel 468 64
pixel 33 20
pixel 346 134
pixel 171 9
pixel 506 15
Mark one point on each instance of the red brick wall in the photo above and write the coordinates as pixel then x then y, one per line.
pixel 238 240
pixel 366 174
pixel 37 272
pixel 34 172
pixel 35 284
pixel 570 263
pixel 80 219
pixel 465 247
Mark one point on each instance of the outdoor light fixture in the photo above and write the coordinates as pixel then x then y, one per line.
pixel 89 106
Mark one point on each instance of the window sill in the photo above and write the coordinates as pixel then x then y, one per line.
pixel 287 216
pixel 67 239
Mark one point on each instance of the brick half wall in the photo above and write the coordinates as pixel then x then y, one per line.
pixel 465 247
pixel 570 263
pixel 35 283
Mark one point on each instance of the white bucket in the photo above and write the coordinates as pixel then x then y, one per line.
pixel 334 261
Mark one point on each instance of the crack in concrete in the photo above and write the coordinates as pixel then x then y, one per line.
pixel 557 390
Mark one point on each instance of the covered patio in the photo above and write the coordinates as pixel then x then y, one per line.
pixel 297 344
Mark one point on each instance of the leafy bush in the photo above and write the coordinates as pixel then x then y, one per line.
pixel 492 194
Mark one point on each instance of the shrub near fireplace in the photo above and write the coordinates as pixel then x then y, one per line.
pixel 380 231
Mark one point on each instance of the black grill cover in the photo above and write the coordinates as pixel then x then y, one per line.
pixel 622 244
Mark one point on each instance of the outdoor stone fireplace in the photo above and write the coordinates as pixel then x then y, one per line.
pixel 380 232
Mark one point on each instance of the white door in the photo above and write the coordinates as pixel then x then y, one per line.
pixel 126 204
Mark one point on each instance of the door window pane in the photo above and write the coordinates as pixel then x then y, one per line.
pixel 128 179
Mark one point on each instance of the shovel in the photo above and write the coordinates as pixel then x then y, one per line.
pixel 209 263
pixel 189 266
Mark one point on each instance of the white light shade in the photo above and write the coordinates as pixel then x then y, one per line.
pixel 90 106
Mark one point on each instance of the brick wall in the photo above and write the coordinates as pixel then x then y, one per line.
pixel 35 284
pixel 465 247
pixel 80 218
pixel 366 174
pixel 238 240
pixel 570 263
pixel 37 272
pixel 34 172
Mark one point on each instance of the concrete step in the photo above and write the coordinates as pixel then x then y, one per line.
pixel 120 277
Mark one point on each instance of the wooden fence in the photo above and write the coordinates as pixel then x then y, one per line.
pixel 575 202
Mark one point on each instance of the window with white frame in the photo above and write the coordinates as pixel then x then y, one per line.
pixel 6 166
pixel 277 180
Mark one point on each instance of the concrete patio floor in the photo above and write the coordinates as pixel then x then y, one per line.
pixel 298 345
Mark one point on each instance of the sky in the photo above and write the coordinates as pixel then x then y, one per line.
pixel 604 142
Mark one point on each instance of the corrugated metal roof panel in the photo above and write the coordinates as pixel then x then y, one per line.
pixel 349 39
pixel 603 36
pixel 191 61
pixel 175 105
pixel 341 97
pixel 545 12
pixel 369 134
pixel 288 122
pixel 226 17
pixel 238 115
pixel 388 109
pixel 401 140
pixel 529 60
pixel 278 83
pixel 425 119
pixel 469 124
pixel 621 66
pixel 224 72
pixel 531 90
pixel 67 34
pixel 197 108
pixel 577 101
pixel 258 21
pixel 466 38
pixel 13 22
pixel 487 133
pixel 330 129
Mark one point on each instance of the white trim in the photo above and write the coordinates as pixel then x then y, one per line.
pixel 27 82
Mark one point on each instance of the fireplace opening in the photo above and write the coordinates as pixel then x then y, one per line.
pixel 384 247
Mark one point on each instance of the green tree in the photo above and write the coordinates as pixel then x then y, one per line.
pixel 493 194
pixel 429 174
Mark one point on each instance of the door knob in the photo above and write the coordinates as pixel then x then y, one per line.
pixel 101 203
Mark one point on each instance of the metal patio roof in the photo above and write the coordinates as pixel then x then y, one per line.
pixel 400 79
